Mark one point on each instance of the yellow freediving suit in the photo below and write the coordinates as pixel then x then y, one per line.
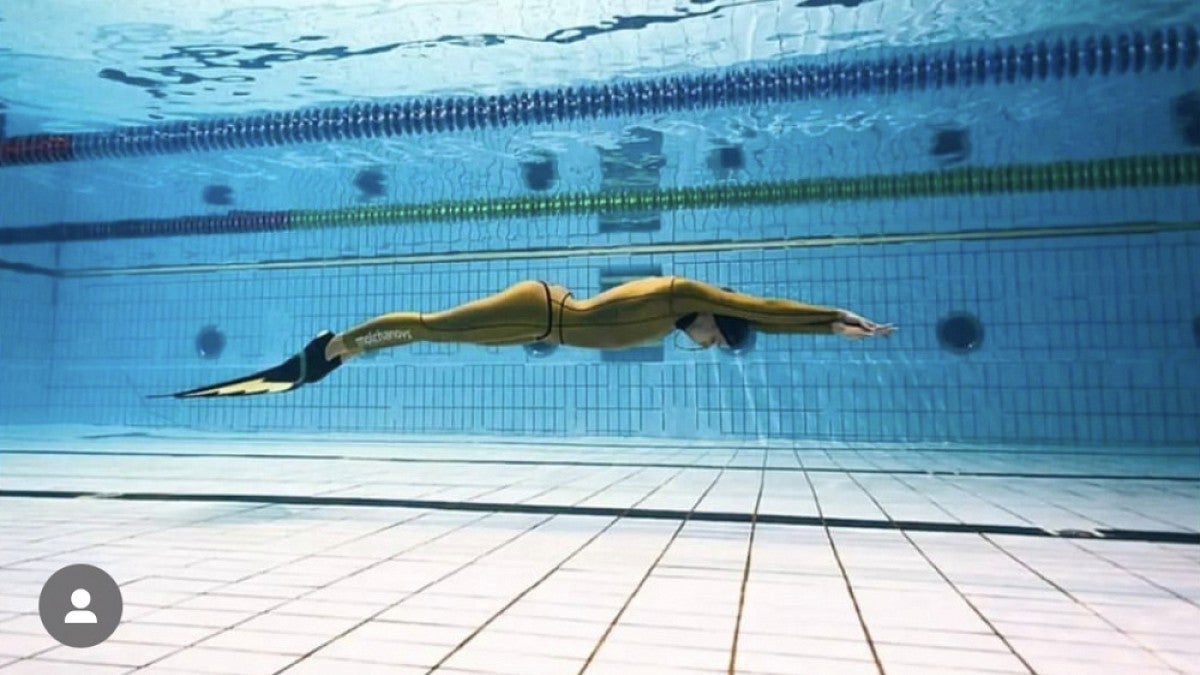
pixel 633 313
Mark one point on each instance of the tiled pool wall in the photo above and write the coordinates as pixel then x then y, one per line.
pixel 27 299
pixel 1067 354
pixel 1086 339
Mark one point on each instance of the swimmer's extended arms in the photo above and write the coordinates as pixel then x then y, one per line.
pixel 772 315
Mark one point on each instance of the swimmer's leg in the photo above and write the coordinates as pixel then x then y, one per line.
pixel 516 315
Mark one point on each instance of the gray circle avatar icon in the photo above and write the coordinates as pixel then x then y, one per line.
pixel 80 606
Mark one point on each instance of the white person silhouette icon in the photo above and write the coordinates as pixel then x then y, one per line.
pixel 80 599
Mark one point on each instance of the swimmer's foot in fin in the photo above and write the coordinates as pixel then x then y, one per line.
pixel 306 367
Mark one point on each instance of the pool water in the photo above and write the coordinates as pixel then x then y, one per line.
pixel 1009 483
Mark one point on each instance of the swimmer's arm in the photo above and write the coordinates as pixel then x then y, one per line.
pixel 773 315
pixel 770 315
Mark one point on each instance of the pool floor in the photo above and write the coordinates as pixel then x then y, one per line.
pixel 252 554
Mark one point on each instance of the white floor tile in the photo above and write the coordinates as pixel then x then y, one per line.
pixel 199 577
pixel 225 661
pixel 44 667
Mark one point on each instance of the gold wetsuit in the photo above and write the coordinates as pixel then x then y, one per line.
pixel 633 313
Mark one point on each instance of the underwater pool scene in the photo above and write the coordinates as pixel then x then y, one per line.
pixel 195 478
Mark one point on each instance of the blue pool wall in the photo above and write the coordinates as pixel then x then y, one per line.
pixel 1075 361
pixel 26 345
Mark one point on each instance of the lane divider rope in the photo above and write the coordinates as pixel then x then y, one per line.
pixel 1004 62
pixel 1139 171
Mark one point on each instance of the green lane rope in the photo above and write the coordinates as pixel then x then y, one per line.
pixel 1125 172
pixel 1141 171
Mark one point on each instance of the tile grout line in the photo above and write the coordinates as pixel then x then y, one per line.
pixel 405 521
pixel 438 580
pixel 358 571
pixel 737 626
pixel 842 568
pixel 1143 578
pixel 650 570
pixel 1132 638
pixel 239 580
pixel 962 596
pixel 462 644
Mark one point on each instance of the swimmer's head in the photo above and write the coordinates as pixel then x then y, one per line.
pixel 728 332
pixel 738 333
pixel 707 329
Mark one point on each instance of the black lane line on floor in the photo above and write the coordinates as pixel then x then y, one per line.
pixel 645 514
pixel 612 465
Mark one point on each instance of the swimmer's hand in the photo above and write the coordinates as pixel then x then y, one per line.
pixel 850 325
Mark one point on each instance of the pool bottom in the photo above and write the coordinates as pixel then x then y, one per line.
pixel 270 588
pixel 1077 493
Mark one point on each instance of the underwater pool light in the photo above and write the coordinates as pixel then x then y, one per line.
pixel 960 332
pixel 210 342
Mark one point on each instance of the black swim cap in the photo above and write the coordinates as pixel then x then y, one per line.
pixel 738 333
pixel 686 320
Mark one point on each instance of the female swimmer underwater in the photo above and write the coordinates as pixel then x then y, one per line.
pixel 535 312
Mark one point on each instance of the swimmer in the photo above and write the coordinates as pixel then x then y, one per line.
pixel 544 316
